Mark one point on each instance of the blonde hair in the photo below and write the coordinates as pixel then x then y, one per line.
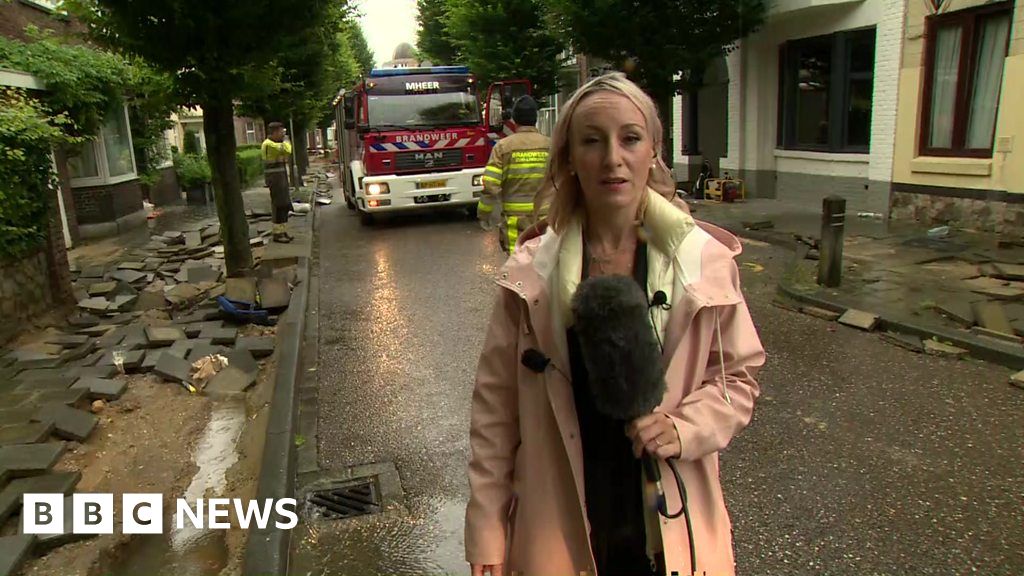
pixel 559 197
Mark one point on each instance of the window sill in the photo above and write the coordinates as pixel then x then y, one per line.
pixel 100 181
pixel 856 158
pixel 955 166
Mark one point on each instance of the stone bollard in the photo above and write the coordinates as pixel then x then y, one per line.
pixel 830 249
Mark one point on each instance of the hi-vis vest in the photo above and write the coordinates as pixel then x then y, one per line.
pixel 512 178
pixel 275 156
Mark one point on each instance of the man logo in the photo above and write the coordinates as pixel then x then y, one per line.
pixel 429 156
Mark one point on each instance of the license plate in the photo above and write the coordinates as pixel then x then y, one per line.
pixel 427 185
pixel 432 198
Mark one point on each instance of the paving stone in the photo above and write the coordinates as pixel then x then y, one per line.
pixel 906 341
pixel 101 288
pixel 122 289
pixel 43 384
pixel 112 338
pixel 199 274
pixel 243 360
pixel 38 363
pixel 182 293
pixel 225 336
pixel 229 382
pixel 195 329
pixel 30 459
pixel 1008 271
pixel 170 367
pixel 259 346
pixel 990 315
pixel 131 266
pixel 98 330
pixel 53 483
pixel 97 304
pixel 25 433
pixel 93 272
pixel 68 423
pixel 124 303
pixel 90 360
pixel 132 359
pixel 160 336
pixel 83 321
pixel 47 542
pixel 171 267
pixel 193 239
pixel 150 300
pixel 274 293
pixel 122 319
pixel 202 351
pixel 18 415
pixel 859 319
pixel 939 349
pixel 173 235
pixel 102 388
pixel 14 551
pixel 129 276
pixel 996 335
pixel 181 276
pixel 67 340
pixel 1018 379
pixel 152 356
pixel 43 374
pixel 958 311
pixel 95 371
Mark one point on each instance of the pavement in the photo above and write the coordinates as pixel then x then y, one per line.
pixel 862 458
pixel 962 289
pixel 146 305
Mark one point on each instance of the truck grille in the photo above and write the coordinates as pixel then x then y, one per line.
pixel 428 159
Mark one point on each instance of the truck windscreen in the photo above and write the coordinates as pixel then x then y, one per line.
pixel 423 110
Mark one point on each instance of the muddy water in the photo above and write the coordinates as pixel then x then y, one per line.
pixel 191 551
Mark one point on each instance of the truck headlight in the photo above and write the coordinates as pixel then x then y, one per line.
pixel 377 188
pixel 478 180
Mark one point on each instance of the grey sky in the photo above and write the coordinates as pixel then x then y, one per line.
pixel 386 24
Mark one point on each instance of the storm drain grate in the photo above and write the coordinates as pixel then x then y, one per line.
pixel 347 501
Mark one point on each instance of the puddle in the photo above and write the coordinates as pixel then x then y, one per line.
pixel 192 551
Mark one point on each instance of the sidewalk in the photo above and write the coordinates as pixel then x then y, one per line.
pixel 964 290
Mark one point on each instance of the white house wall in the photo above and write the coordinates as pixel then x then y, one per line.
pixel 806 177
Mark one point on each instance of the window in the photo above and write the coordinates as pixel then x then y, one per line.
pixel 963 75
pixel 250 132
pixel 825 87
pixel 108 158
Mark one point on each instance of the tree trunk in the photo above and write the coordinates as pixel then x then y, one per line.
pixel 301 147
pixel 323 139
pixel 218 125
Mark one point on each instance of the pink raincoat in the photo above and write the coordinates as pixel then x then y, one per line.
pixel 527 507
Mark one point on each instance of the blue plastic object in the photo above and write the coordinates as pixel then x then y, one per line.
pixel 244 311
pixel 386 72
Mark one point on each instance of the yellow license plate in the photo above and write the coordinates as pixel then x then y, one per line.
pixel 429 184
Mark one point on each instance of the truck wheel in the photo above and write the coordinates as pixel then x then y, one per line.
pixel 471 212
pixel 349 203
pixel 365 218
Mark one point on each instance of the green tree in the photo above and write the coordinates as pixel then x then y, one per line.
pixel 507 39
pixel 671 42
pixel 217 52
pixel 432 38
pixel 360 47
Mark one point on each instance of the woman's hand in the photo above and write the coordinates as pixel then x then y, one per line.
pixel 655 434
pixel 488 569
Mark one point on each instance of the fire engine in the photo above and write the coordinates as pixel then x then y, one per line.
pixel 414 139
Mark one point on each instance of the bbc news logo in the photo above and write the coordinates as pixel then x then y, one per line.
pixel 144 513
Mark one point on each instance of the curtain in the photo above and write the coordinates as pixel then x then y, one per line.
pixel 945 71
pixel 988 76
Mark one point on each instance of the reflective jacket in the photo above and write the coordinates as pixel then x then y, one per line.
pixel 513 176
pixel 275 156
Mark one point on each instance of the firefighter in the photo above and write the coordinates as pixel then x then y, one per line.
pixel 275 152
pixel 513 176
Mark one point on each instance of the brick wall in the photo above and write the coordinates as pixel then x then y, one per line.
pixel 885 93
pixel 101 204
pixel 16 15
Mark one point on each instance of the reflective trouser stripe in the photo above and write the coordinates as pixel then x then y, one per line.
pixel 485 208
pixel 521 207
pixel 513 232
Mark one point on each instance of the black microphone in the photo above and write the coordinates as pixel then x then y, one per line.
pixel 622 357
pixel 660 299
pixel 535 360
pixel 623 361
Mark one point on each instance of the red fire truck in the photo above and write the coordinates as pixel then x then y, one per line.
pixel 413 138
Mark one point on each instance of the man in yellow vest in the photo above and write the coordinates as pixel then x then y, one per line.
pixel 513 176
pixel 276 151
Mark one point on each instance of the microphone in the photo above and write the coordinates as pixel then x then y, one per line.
pixel 623 361
pixel 660 299
pixel 619 350
pixel 535 360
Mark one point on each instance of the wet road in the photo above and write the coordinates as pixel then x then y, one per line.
pixel 863 458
